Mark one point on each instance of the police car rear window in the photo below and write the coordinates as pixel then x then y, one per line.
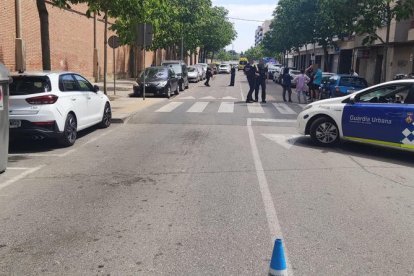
pixel 352 81
pixel 27 85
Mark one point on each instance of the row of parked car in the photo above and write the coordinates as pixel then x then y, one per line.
pixel 332 85
pixel 171 77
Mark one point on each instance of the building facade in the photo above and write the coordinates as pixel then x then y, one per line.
pixel 366 60
pixel 260 32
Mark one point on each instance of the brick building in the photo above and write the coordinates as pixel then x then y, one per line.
pixel 71 41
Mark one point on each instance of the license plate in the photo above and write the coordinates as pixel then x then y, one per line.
pixel 15 123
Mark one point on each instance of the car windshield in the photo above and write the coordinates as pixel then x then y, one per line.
pixel 26 85
pixel 155 73
pixel 352 81
pixel 243 62
pixel 175 66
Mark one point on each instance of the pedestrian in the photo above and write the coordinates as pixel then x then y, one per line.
pixel 233 75
pixel 250 72
pixel 353 73
pixel 301 85
pixel 317 80
pixel 309 73
pixel 261 81
pixel 287 84
pixel 209 75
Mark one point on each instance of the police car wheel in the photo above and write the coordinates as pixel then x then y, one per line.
pixel 324 132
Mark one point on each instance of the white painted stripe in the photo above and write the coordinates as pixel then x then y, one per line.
pixel 271 215
pixel 35 154
pixel 250 120
pixel 302 105
pixel 284 108
pixel 241 92
pixel 187 98
pixel 94 139
pixel 20 176
pixel 228 98
pixel 208 98
pixel 255 108
pixel 198 107
pixel 169 107
pixel 17 168
pixel 226 107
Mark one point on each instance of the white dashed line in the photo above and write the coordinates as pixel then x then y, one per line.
pixel 20 176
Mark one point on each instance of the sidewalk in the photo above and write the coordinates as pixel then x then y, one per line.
pixel 123 105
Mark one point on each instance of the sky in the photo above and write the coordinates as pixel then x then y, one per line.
pixel 246 9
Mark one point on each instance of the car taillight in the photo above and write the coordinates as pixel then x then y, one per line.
pixel 47 99
pixel 48 123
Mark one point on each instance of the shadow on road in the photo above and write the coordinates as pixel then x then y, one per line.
pixel 378 153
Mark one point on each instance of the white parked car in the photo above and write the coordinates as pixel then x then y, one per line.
pixel 194 74
pixel 55 105
pixel 382 114
pixel 224 68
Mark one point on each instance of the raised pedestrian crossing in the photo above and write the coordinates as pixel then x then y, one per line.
pixel 229 107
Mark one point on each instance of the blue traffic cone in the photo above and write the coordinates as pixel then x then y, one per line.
pixel 278 263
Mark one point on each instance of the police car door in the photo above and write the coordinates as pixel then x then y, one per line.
pixel 377 115
pixel 408 122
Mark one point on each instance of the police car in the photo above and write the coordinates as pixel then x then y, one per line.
pixel 381 114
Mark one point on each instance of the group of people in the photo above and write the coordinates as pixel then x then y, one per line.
pixel 307 84
pixel 256 76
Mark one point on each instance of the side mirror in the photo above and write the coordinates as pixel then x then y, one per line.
pixel 352 99
pixel 96 88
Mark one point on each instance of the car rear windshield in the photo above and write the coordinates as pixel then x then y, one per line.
pixel 352 81
pixel 175 66
pixel 26 85
pixel 192 69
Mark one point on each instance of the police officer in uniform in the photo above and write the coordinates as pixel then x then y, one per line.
pixel 250 72
pixel 261 76
pixel 233 75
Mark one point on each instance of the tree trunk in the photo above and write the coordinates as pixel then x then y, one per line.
pixel 44 33
pixel 325 58
pixel 212 57
pixel 306 55
pixel 386 45
pixel 105 52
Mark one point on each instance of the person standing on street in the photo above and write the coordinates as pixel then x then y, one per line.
pixel 209 75
pixel 233 75
pixel 261 81
pixel 317 83
pixel 250 72
pixel 301 85
pixel 287 84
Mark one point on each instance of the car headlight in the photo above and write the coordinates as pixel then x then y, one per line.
pixel 162 83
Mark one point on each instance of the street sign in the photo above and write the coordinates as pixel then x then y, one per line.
pixel 114 42
pixel 141 39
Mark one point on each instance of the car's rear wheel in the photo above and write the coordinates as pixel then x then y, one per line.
pixel 324 132
pixel 106 117
pixel 70 132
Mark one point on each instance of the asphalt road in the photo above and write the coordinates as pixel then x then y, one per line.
pixel 202 184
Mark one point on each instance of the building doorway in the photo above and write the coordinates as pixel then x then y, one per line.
pixel 345 61
pixel 378 69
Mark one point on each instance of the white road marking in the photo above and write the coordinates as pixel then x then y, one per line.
pixel 265 120
pixel 20 176
pixel 285 140
pixel 35 154
pixel 302 105
pixel 187 98
pixel 198 107
pixel 17 168
pixel 169 107
pixel 228 98
pixel 208 98
pixel 226 107
pixel 284 108
pixel 255 108
pixel 241 92
pixel 271 215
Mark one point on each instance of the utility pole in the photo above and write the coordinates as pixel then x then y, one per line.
pixel 105 51
pixel 19 43
pixel 182 46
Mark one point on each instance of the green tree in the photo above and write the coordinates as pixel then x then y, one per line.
pixel 255 52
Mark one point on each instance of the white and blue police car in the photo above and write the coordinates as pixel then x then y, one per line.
pixel 382 114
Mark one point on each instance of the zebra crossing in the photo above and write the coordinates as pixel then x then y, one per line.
pixel 227 107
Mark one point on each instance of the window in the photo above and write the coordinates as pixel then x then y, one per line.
pixel 68 83
pixel 84 84
pixel 386 94
pixel 26 85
